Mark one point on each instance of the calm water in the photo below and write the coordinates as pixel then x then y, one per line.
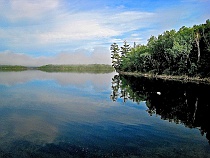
pixel 101 115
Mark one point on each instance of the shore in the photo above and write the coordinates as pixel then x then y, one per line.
pixel 167 77
pixel 89 68
pixel 92 68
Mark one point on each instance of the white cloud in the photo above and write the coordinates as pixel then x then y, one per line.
pixel 93 25
pixel 26 9
pixel 9 58
pixel 40 23
pixel 55 26
pixel 77 30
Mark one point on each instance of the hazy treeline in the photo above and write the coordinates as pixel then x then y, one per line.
pixel 91 68
pixel 12 68
pixel 182 52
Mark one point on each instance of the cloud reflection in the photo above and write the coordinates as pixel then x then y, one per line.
pixel 36 106
pixel 98 81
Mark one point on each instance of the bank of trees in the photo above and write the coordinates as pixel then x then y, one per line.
pixel 12 68
pixel 182 52
pixel 90 68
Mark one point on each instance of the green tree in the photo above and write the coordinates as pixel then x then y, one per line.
pixel 125 49
pixel 182 49
pixel 141 58
pixel 116 59
pixel 182 52
pixel 160 49
pixel 125 61
pixel 203 63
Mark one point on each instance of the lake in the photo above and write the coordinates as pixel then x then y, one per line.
pixel 101 115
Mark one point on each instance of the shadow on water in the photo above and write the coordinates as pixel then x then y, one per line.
pixel 181 103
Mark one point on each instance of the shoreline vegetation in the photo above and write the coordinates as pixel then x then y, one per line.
pixel 102 68
pixel 183 78
pixel 182 55
pixel 12 68
pixel 90 68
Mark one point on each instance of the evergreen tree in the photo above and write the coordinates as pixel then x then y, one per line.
pixel 125 49
pixel 115 56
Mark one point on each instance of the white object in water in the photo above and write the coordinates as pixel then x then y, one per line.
pixel 158 93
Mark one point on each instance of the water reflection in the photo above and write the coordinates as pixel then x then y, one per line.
pixel 71 115
pixel 78 79
pixel 176 102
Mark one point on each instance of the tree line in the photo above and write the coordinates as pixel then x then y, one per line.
pixel 12 68
pixel 90 68
pixel 182 52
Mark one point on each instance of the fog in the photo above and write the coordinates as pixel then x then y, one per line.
pixel 99 55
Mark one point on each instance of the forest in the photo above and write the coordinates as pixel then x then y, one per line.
pixel 90 68
pixel 12 68
pixel 185 52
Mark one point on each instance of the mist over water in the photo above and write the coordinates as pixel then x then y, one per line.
pixel 99 55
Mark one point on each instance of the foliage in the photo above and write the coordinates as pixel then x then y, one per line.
pixel 91 68
pixel 115 55
pixel 12 68
pixel 182 52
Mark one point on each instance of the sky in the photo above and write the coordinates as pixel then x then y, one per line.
pixel 34 33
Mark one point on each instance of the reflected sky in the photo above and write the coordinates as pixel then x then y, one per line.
pixel 78 79
pixel 46 109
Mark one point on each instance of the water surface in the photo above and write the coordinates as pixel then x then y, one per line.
pixel 76 115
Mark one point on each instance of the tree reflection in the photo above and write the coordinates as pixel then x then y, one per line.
pixel 181 103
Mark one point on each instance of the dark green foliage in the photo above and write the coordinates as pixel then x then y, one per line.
pixel 182 52
pixel 125 49
pixel 115 56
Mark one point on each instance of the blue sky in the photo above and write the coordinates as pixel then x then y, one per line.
pixel 81 31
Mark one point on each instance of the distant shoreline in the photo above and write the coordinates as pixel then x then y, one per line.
pixel 12 68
